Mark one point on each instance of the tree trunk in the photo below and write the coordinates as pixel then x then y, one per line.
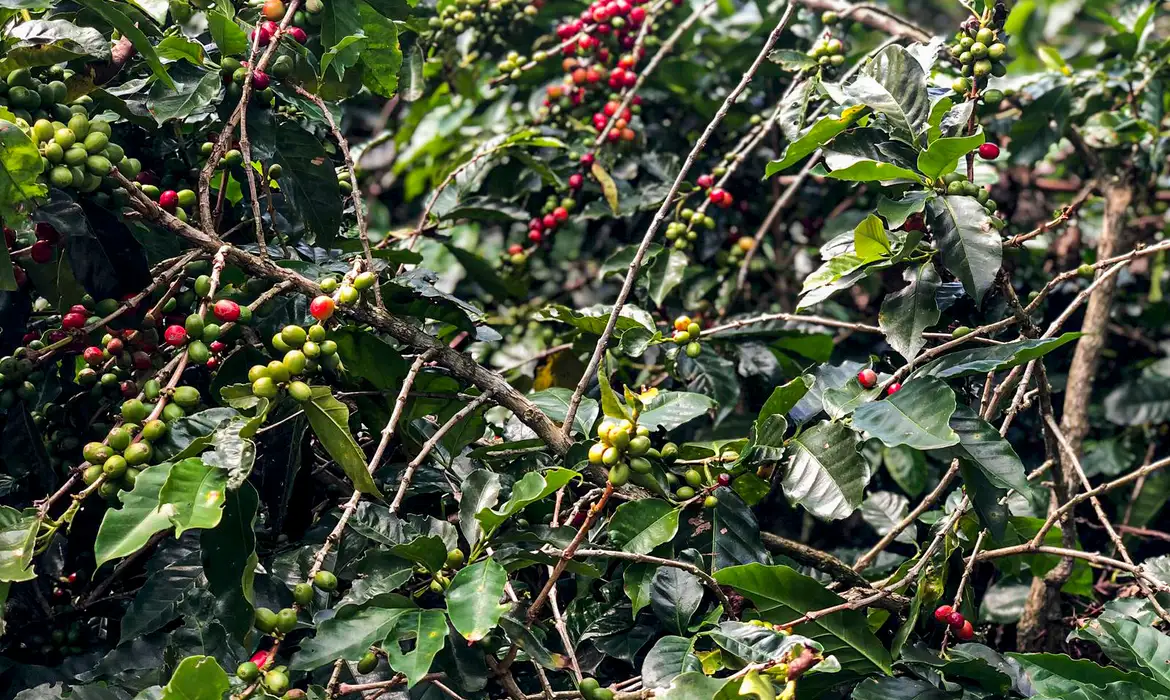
pixel 1043 604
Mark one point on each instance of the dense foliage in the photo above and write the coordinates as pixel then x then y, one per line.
pixel 528 349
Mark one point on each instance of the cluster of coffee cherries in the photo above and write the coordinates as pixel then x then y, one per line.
pixel 76 152
pixel 868 379
pixel 306 351
pixel 18 377
pixel 981 53
pixel 118 460
pixel 61 640
pixel 681 232
pixel 492 20
pixel 590 689
pixel 828 51
pixel 960 625
pixel 696 481
pixel 40 250
pixel 277 624
pixel 956 183
pixel 621 446
pixel 686 333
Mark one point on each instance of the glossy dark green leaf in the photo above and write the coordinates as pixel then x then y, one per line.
pixel 917 416
pixel 980 442
pixel 227 35
pixel 156 603
pixel 529 489
pixel 309 183
pixel 781 595
pixel 113 14
pixel 369 357
pixel 675 595
pixel 1143 401
pixel 735 532
pixel 884 510
pixel 670 409
pixel 481 489
pixel 905 314
pixel 893 84
pixel 900 689
pixel 1056 675
pixel 229 558
pixel 640 526
pixel 1140 648
pixel 349 633
pixel 991 358
pixel 825 473
pixel 555 404
pixel 896 212
pixel 985 497
pixel 670 657
pixel 943 155
pixel 971 247
pixel 907 467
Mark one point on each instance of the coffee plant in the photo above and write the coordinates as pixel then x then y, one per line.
pixel 545 350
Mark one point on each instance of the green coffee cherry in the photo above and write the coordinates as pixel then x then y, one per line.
pixel 325 580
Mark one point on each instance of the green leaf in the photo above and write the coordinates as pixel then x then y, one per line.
pixel 1056 675
pixel 675 596
pixel 329 419
pixel 473 600
pixel 309 183
pixel 971 247
pixel 349 634
pixel 785 397
pixel 899 689
pixel 665 273
pixel 229 559
pixel 410 78
pixel 608 186
pixel 669 658
pixel 861 170
pixel 791 60
pixel 18 533
pixel 883 511
pixel 735 532
pixel 907 467
pixel 896 212
pixel 782 595
pixel 818 135
pixel 991 358
pixel 531 488
pixel 343 55
pixel 905 314
pixel 917 416
pixel 640 526
pixel 369 357
pixel 193 495
pixel 197 678
pixel 893 84
pixel 986 497
pixel 1133 646
pixel 127 27
pixel 227 35
pixel 611 405
pixel 981 443
pixel 20 166
pixel 127 529
pixel 670 409
pixel 1142 401
pixel 694 685
pixel 826 474
pixel 755 644
pixel 481 489
pixel 943 155
pixel 177 48
pixel 554 403
pixel 428 629
pixel 870 239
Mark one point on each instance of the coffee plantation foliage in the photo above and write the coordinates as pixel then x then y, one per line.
pixel 686 349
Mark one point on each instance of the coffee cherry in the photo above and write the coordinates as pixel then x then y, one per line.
pixel 956 619
pixel 169 200
pixel 247 672
pixel 966 631
pixel 455 559
pixel 321 308
pixel 1086 270
pixel 684 492
pixel 93 355
pixel 298 34
pixel 276 681
pixel 988 151
pixel 175 335
pixel 73 321
pixel 596 452
pixel 41 251
pixel 367 663
pixel 325 580
pixel 226 310
pixel 265 620
pixel 943 613
pixel 867 378
pixel 286 620
pixel 893 388
pixel 694 349
pixel 724 479
pixel 710 501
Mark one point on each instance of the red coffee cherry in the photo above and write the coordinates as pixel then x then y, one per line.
pixel 175 335
pixel 988 151
pixel 867 377
pixel 322 307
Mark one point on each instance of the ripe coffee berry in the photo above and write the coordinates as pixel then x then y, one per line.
pixel 115 346
pixel 575 181
pixel 41 251
pixel 216 346
pixel 226 310
pixel 322 307
pixel 956 619
pixel 535 236
pixel 867 378
pixel 704 181
pixel 93 355
pixel 716 195
pixel 515 248
pixel 45 232
pixel 298 34
pixel 966 631
pixel 560 214
pixel 260 80
pixel 175 335
pixel 169 200
pixel 73 320
pixel 724 479
pixel 587 159
pixel 943 613
pixel 894 388
pixel 988 151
